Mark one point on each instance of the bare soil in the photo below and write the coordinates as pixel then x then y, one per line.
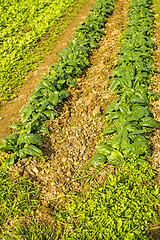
pixel 155 136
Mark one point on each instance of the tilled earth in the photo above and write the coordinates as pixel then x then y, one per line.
pixel 155 136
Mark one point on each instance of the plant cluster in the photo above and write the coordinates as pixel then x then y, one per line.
pixel 130 113
pixel 46 96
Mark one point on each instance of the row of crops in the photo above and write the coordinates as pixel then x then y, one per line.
pixel 22 24
pixel 129 118
pixel 125 205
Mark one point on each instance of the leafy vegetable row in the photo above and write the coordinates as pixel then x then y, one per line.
pixel 46 96
pixel 129 117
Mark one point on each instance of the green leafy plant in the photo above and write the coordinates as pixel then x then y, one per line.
pixel 20 145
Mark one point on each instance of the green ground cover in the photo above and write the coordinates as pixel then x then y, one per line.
pixel 22 24
pixel 121 208
pixel 18 196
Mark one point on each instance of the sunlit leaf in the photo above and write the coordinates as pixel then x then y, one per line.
pixel 26 112
pixel 97 159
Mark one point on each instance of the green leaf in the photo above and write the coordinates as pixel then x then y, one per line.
pixel 141 161
pixel 136 132
pixel 115 82
pixel 8 144
pixel 43 129
pixel 9 162
pixel 138 148
pixel 113 115
pixel 20 154
pixel 137 99
pixel 125 82
pixel 119 224
pixel 29 138
pixel 17 126
pixel 93 44
pixel 148 122
pixel 132 119
pixel 32 151
pixel 109 130
pixel 142 93
pixel 105 149
pixel 112 106
pixel 38 88
pixel 48 84
pixel 64 94
pixel 38 117
pixel 123 109
pixel 50 114
pixel 125 142
pixel 97 159
pixel 27 128
pixel 115 142
pixel 35 95
pixel 43 106
pixel 54 97
pixel 116 158
pixel 26 112
pixel 50 107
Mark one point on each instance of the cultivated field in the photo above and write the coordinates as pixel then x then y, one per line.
pixel 82 161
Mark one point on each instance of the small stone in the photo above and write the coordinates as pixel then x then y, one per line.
pixel 64 159
pixel 68 174
pixel 35 170
pixel 97 110
pixel 85 157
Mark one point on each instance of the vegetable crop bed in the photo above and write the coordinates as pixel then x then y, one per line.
pixel 118 198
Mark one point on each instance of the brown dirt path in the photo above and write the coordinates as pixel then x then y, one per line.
pixel 155 136
pixel 10 113
pixel 77 130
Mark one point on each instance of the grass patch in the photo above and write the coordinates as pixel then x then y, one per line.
pixel 34 229
pixel 18 196
pixel 121 208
